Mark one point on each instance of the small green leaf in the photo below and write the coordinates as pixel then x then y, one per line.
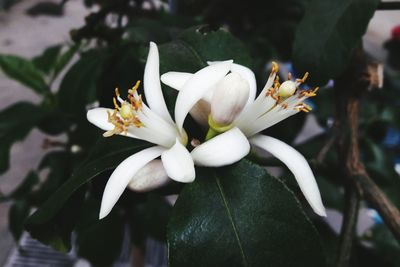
pixel 327 35
pixel 78 88
pixel 23 71
pixel 45 62
pixel 109 152
pixel 64 59
pixel 17 215
pixel 241 216
pixel 15 123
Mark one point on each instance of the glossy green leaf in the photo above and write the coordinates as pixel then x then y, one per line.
pixel 15 123
pixel 328 34
pixel 241 216
pixel 47 59
pixel 64 59
pixel 99 241
pixel 210 45
pixel 109 152
pixel 23 71
pixel 78 88
pixel 17 215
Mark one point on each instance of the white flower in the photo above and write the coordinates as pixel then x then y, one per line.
pixel 275 103
pixel 153 123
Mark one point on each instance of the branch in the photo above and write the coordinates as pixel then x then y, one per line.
pixel 349 88
pixel 348 230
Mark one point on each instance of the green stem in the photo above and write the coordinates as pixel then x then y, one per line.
pixel 211 133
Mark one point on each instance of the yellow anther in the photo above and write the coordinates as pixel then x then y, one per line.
pixel 303 107
pixel 302 80
pixel 275 67
pixel 116 106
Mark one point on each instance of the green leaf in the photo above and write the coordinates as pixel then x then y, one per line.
pixel 78 88
pixel 15 123
pixel 23 71
pixel 109 152
pixel 99 241
pixel 217 45
pixel 17 215
pixel 64 59
pixel 328 34
pixel 47 59
pixel 241 216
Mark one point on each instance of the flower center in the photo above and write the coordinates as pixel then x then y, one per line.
pixel 287 94
pixel 125 112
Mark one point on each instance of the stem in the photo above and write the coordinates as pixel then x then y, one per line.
pixel 211 133
pixel 349 88
pixel 348 230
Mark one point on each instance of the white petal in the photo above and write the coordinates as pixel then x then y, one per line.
pixel 298 165
pixel 123 174
pixel 224 149
pixel 149 177
pixel 99 117
pixel 196 87
pixel 176 80
pixel 152 85
pixel 246 74
pixel 178 163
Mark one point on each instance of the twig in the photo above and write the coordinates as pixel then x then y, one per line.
pixel 388 6
pixel 348 227
pixel 349 88
pixel 325 149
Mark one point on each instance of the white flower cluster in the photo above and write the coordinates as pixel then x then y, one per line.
pixel 221 97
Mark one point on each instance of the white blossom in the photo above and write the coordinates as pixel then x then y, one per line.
pixel 143 171
pixel 275 103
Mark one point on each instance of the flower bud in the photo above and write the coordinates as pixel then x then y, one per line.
pixel 229 99
pixel 287 88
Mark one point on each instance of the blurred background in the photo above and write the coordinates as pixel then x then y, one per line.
pixel 58 40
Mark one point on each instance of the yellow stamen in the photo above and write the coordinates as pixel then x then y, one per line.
pixel 125 114
pixel 303 107
pixel 275 67
pixel 302 80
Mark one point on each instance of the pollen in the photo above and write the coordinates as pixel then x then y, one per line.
pixel 125 113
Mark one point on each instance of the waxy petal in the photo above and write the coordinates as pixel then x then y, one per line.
pixel 122 176
pixel 178 163
pixel 152 85
pixel 196 87
pixel 150 177
pixel 298 165
pixel 246 74
pixel 99 117
pixel 175 79
pixel 224 149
